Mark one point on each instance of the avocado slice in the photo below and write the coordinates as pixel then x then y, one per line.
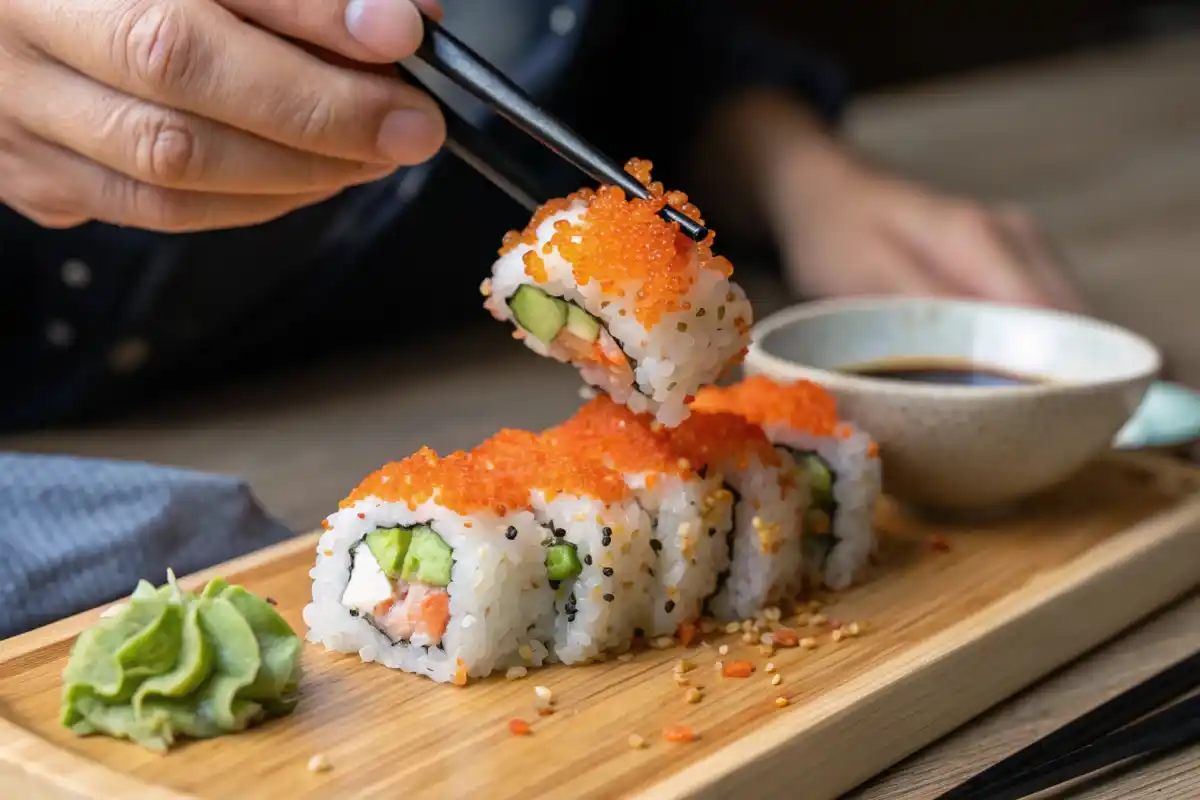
pixel 389 545
pixel 582 324
pixel 428 559
pixel 562 562
pixel 539 313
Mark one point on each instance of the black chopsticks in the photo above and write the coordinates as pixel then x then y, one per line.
pixel 1128 726
pixel 442 52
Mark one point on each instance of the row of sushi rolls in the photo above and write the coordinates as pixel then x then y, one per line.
pixel 665 499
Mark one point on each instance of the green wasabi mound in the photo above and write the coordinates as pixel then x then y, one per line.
pixel 174 664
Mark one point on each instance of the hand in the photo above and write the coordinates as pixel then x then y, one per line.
pixel 183 115
pixel 858 230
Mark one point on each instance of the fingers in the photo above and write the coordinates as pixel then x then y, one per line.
pixel 959 242
pixel 59 189
pixel 363 30
pixel 195 56
pixel 173 149
pixel 1050 268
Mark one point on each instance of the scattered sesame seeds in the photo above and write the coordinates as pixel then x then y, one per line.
pixel 588 559
pixel 656 545
pixel 608 572
pixel 669 606
pixel 723 649
pixel 515 673
pixel 544 698
pixel 608 598
pixel 693 695
pixel 808 643
pixel 511 533
pixel 781 702
pixel 636 742
pixel 776 679
pixel 319 763
pixel 769 668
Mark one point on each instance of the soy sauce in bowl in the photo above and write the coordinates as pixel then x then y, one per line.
pixel 940 371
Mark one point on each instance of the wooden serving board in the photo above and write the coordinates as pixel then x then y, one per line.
pixel 957 618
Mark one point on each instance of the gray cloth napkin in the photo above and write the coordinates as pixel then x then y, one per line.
pixel 77 532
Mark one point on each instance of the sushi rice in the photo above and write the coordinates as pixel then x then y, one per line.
pixel 645 314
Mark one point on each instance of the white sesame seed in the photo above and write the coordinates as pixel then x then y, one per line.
pixel 544 697
pixel 723 649
pixel 777 679
pixel 769 668
pixel 514 673
pixel 636 742
pixel 319 763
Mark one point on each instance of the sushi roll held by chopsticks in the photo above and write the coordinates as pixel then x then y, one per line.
pixel 601 281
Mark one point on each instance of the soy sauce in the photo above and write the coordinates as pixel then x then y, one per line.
pixel 940 371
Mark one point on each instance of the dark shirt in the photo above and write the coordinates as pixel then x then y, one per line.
pixel 94 316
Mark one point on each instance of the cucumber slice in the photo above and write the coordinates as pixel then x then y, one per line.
pixel 582 324
pixel 538 313
pixel 428 559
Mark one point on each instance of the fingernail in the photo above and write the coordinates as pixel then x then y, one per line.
pixel 387 27
pixel 409 136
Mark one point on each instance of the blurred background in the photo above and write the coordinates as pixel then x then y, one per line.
pixel 887 45
pixel 1083 111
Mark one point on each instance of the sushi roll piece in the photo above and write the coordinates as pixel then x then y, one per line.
pixel 690 514
pixel 769 494
pixel 841 463
pixel 432 568
pixel 600 281
pixel 596 540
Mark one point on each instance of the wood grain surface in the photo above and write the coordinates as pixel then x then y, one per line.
pixel 957 618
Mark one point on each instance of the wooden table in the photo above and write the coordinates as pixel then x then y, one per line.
pixel 1104 148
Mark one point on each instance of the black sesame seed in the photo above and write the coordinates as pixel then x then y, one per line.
pixel 554 584
pixel 271 601
pixel 608 598
pixel 354 612
pixel 559 533
pixel 588 559
pixel 606 532
pixel 570 617
pixel 712 532
pixel 655 545
pixel 651 573
pixel 669 606
pixel 702 312
pixel 606 541
pixel 608 571
pixel 511 533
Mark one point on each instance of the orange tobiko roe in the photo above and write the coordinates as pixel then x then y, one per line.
pixel 712 437
pixel 627 442
pixel 455 482
pixel 527 461
pixel 802 406
pixel 623 244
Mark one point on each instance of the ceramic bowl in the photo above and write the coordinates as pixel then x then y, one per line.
pixel 957 447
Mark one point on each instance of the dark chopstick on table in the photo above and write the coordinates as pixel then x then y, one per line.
pixel 1103 737
pixel 448 56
